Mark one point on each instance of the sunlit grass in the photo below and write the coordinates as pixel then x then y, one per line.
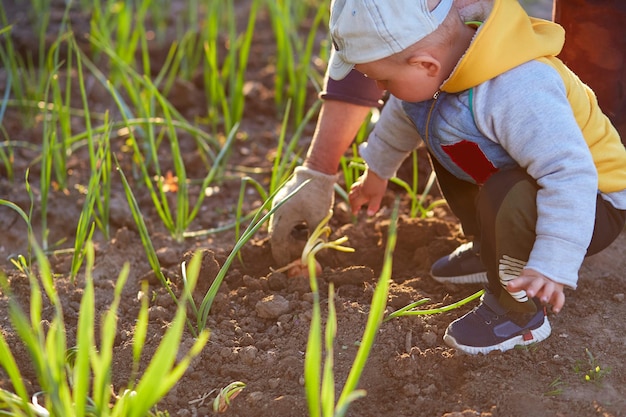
pixel 295 52
pixel 319 375
pixel 213 45
pixel 76 380
pixel 25 260
pixel 413 310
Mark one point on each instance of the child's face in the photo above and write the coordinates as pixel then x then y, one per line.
pixel 408 82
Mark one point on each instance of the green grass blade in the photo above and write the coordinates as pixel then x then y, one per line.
pixel 409 310
pixel 102 361
pixel 377 311
pixel 141 327
pixel 313 357
pixel 153 259
pixel 85 342
pixel 161 374
pixel 85 228
pixel 328 377
pixel 190 276
pixel 143 231
pixel 217 166
pixel 408 307
pixel 19 211
pixel 148 389
pixel 7 360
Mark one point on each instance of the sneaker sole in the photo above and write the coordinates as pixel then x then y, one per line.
pixel 477 278
pixel 536 335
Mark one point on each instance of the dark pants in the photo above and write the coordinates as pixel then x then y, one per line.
pixel 501 216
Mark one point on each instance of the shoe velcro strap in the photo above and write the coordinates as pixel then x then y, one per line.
pixel 491 301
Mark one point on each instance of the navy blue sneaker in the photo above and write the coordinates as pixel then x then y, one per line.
pixel 489 327
pixel 463 266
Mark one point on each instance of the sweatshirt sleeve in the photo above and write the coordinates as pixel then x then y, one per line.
pixel 527 112
pixel 393 138
pixel 356 88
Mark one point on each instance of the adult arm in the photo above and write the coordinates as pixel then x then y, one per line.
pixel 346 104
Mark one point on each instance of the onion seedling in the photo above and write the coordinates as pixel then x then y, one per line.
pixel 410 310
pixel 226 395
pixel 316 242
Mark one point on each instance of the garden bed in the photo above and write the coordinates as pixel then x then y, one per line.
pixel 259 321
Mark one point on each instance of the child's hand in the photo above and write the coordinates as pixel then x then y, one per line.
pixel 536 284
pixel 368 189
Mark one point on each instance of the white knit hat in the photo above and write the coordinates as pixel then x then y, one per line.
pixel 368 30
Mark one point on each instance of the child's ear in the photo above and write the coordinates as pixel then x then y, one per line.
pixel 426 62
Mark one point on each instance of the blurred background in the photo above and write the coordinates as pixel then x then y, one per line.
pixel 538 8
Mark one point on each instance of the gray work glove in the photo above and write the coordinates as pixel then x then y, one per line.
pixel 301 213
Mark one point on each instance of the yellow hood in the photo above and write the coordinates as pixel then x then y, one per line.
pixel 507 38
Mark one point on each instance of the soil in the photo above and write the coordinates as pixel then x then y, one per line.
pixel 259 322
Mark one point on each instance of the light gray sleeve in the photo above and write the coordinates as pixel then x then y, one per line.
pixel 393 138
pixel 526 111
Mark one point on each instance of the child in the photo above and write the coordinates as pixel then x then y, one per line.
pixel 528 159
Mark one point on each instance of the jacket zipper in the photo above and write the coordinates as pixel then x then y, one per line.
pixel 430 112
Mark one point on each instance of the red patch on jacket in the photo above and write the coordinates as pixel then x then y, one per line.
pixel 468 156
